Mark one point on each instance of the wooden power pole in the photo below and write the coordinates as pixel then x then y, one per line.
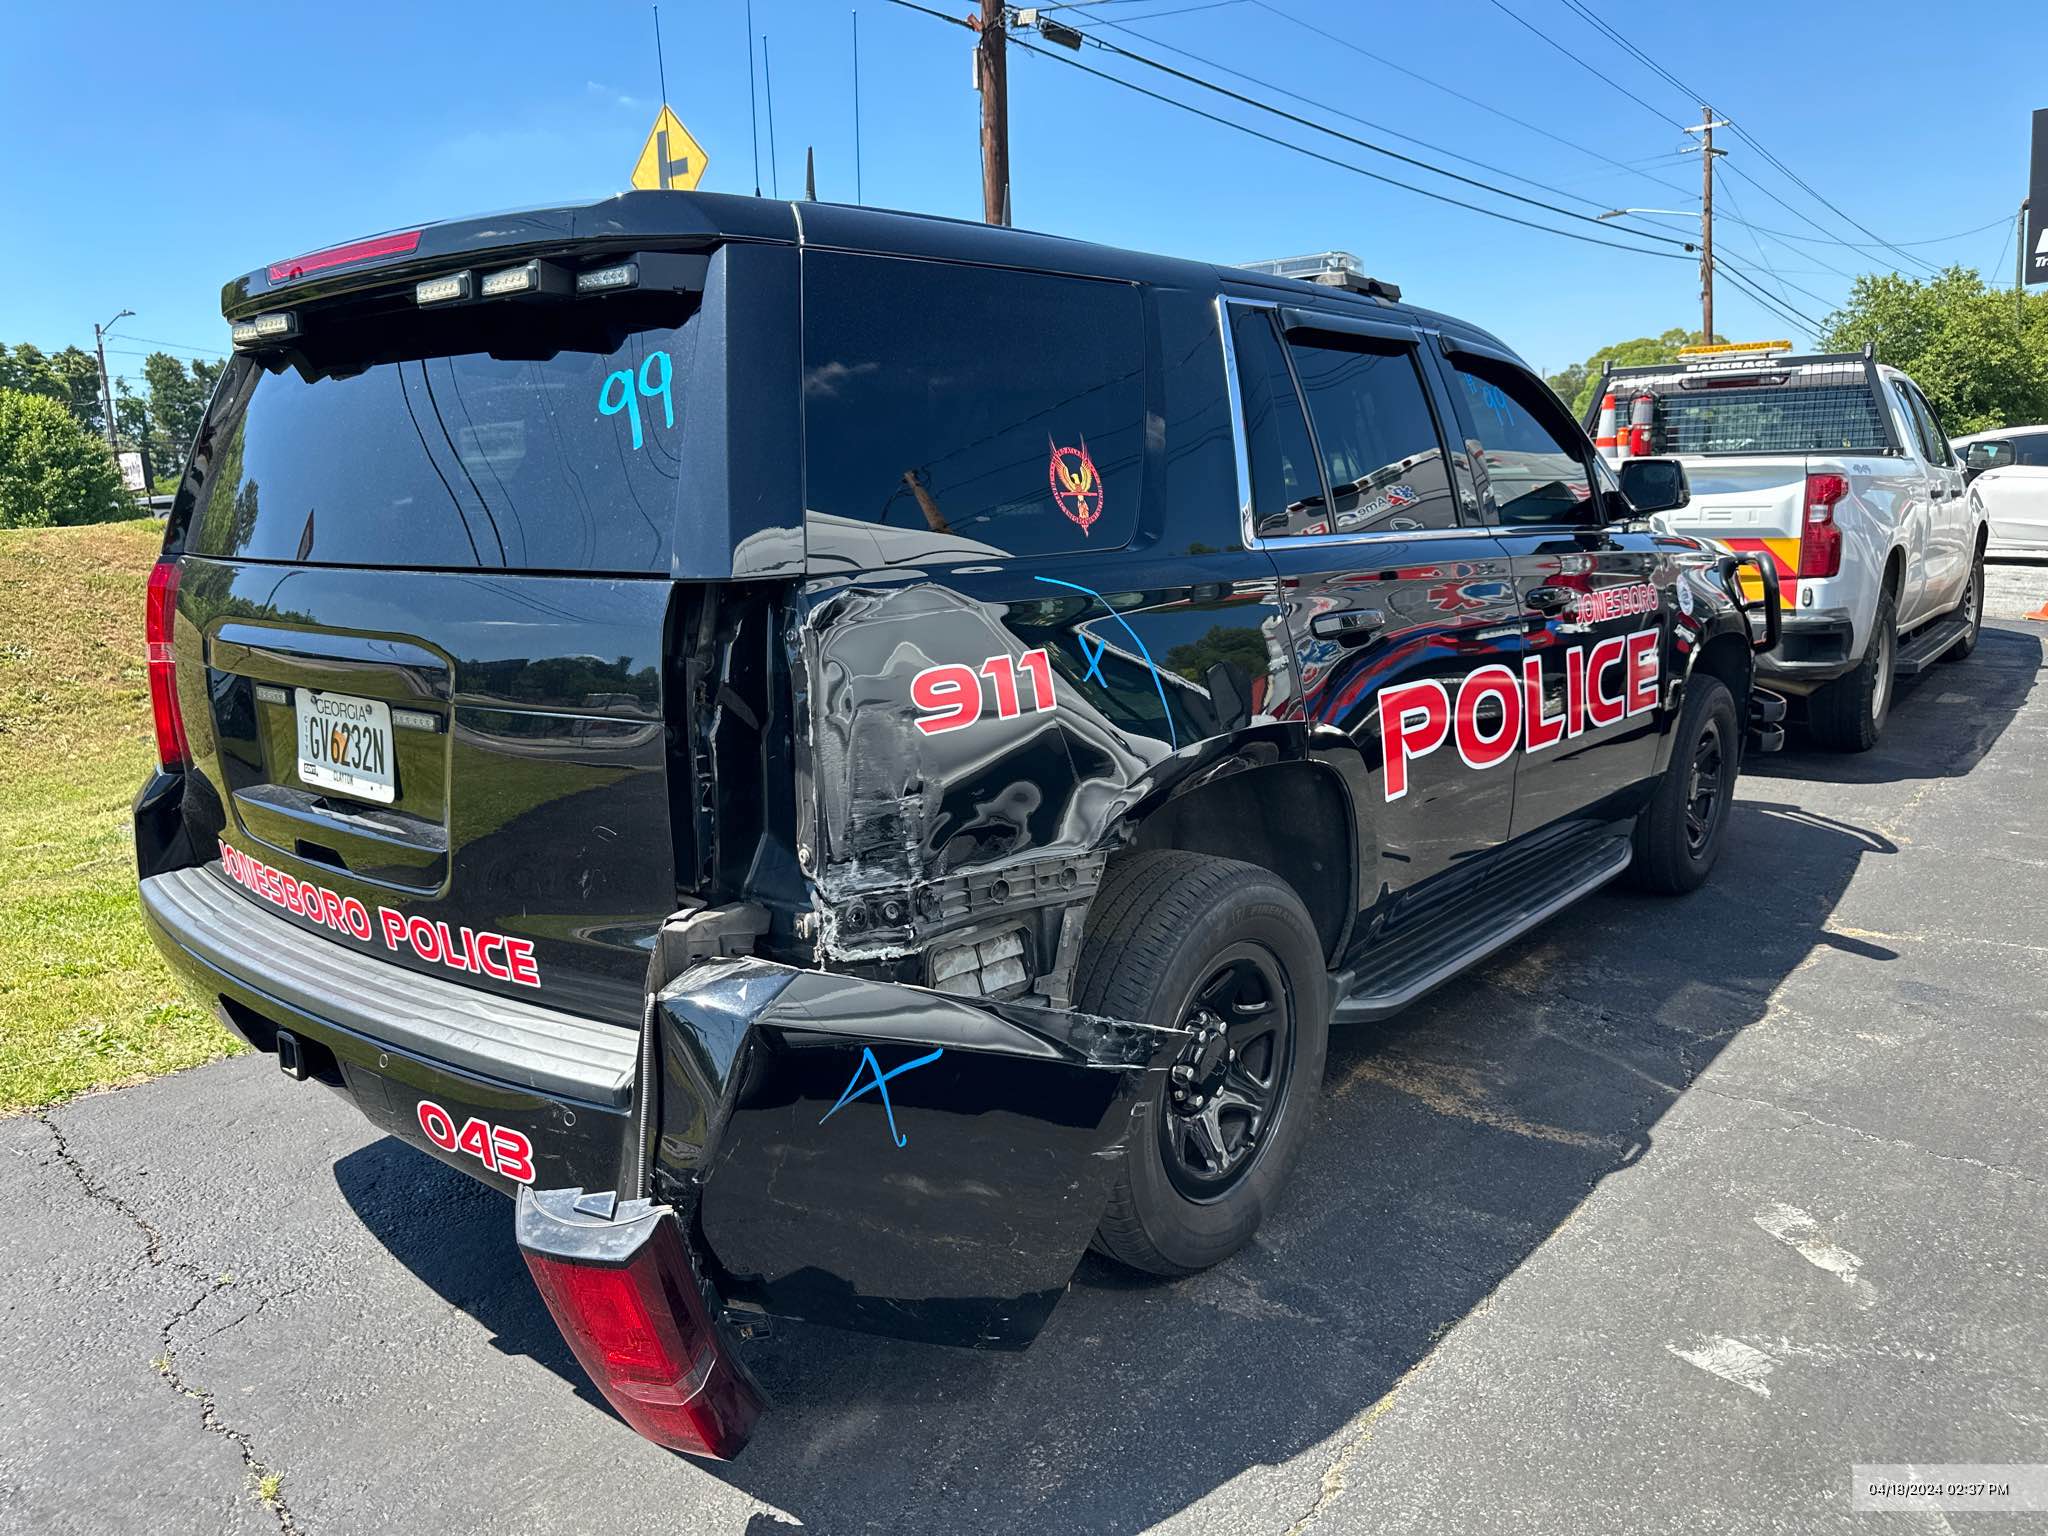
pixel 1705 129
pixel 991 78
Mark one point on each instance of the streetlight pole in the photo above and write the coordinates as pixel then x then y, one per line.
pixel 99 338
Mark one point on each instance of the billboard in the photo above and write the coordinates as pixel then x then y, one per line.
pixel 132 474
pixel 2035 267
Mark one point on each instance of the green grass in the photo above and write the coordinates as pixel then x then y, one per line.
pixel 85 1002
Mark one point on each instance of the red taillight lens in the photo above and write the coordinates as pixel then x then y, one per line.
pixel 171 748
pixel 345 255
pixel 1820 541
pixel 644 1335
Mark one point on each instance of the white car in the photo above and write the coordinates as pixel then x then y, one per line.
pixel 2008 469
pixel 1834 469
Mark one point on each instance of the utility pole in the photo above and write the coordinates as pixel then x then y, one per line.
pixel 99 338
pixel 1705 129
pixel 992 80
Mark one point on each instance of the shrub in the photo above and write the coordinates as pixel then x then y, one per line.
pixel 53 471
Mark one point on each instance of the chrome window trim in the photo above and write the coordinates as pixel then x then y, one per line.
pixel 1241 450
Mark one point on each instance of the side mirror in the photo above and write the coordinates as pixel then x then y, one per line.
pixel 1654 485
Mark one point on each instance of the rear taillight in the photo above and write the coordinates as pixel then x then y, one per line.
pixel 171 748
pixel 624 1295
pixel 1820 541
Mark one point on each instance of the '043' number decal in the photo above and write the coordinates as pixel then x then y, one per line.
pixel 951 695
pixel 498 1147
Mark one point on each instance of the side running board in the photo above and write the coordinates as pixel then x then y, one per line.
pixel 1526 890
pixel 1927 647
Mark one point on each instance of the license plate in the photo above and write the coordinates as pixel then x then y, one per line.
pixel 345 745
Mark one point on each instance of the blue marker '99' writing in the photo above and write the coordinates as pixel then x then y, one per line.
pixel 629 400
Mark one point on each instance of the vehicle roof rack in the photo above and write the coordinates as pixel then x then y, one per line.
pixel 1333 269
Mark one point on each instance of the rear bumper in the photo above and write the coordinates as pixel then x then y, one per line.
pixel 1812 649
pixel 850 1152
pixel 396 1040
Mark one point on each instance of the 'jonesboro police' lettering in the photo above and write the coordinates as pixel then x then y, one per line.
pixel 462 949
pixel 1417 718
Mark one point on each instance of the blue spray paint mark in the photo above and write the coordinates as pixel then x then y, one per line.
pixel 1136 639
pixel 629 402
pixel 878 1082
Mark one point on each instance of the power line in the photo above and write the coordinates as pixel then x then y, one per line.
pixel 1356 170
pixel 1783 311
pixel 1500 6
pixel 1267 85
pixel 158 341
pixel 1379 149
pixel 1472 101
pixel 1747 137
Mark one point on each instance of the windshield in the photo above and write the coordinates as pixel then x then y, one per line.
pixel 543 440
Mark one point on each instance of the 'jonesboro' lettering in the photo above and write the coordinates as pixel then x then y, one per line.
pixel 496 955
pixel 1417 718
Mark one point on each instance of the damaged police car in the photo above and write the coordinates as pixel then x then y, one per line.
pixel 840 757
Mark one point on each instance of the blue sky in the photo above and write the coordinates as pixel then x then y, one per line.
pixel 149 152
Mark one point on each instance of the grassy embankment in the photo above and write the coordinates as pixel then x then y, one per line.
pixel 85 1002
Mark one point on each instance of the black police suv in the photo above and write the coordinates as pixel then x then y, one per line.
pixel 841 756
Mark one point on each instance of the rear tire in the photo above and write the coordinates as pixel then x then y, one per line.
pixel 1678 835
pixel 1848 715
pixel 1971 608
pixel 1225 948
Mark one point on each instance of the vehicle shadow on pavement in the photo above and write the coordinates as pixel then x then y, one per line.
pixel 1450 1144
pixel 1942 721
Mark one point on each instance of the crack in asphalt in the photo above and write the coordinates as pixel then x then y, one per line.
pixel 259 1471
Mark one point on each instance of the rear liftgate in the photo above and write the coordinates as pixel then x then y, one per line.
pixel 850 1152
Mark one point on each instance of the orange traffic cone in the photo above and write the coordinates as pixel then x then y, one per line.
pixel 2040 613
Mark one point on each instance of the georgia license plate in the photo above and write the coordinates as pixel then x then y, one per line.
pixel 345 745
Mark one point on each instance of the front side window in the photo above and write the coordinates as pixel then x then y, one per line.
pixel 1938 450
pixel 1537 470
pixel 1381 451
pixel 977 412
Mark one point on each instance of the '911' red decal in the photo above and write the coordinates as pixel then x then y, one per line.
pixel 498 1147
pixel 950 695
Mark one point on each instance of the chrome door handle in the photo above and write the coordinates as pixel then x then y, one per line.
pixel 1347 626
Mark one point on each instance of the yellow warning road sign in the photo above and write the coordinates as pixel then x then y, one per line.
pixel 670 160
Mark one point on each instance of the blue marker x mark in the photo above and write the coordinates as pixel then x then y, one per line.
pixel 1095 655
pixel 880 1083
pixel 1092 648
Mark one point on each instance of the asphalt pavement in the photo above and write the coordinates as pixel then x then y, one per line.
pixel 1657 1222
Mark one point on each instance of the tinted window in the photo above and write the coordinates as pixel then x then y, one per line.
pixel 1532 455
pixel 1989 455
pixel 1933 446
pixel 551 446
pixel 1003 412
pixel 2032 451
pixel 1287 493
pixel 1381 452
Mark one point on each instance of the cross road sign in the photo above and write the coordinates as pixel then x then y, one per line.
pixel 670 160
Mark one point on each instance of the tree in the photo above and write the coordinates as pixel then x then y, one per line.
pixel 53 470
pixel 1576 384
pixel 70 377
pixel 177 401
pixel 1979 356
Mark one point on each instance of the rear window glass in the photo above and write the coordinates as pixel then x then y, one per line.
pixel 1770 419
pixel 552 446
pixel 1002 411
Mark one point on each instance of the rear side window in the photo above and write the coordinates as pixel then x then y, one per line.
pixel 1378 436
pixel 1004 411
pixel 1530 449
pixel 2032 451
pixel 545 439
pixel 1287 492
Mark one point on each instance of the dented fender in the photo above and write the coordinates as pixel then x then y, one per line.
pixel 889 1158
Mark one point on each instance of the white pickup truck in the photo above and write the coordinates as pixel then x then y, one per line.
pixel 1835 469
